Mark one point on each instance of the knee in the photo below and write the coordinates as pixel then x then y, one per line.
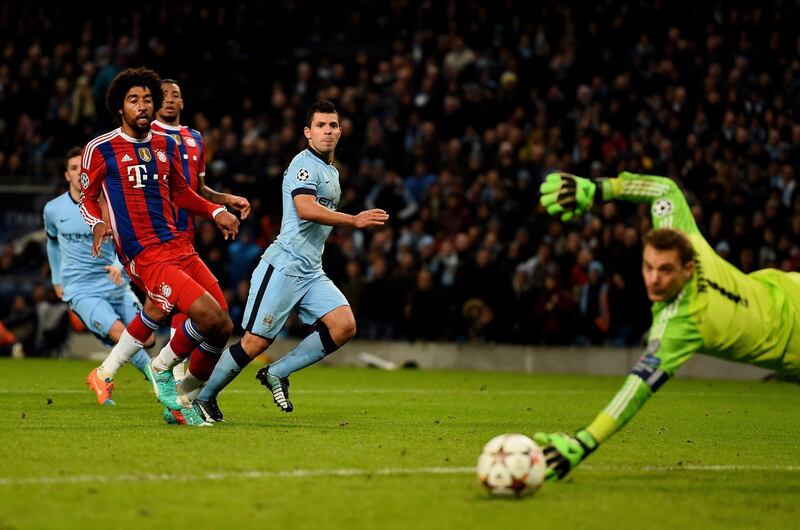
pixel 217 324
pixel 223 324
pixel 253 345
pixel 345 329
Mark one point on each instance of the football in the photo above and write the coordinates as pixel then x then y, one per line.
pixel 511 464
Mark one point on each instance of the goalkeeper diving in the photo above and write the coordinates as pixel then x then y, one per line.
pixel 701 304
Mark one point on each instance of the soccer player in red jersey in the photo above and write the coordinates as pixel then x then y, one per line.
pixel 141 177
pixel 193 159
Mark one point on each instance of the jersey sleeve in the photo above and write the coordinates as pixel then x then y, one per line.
pixel 93 171
pixel 668 206
pixel 182 194
pixel 53 250
pixel 301 180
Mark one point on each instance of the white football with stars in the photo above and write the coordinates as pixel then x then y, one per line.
pixel 511 464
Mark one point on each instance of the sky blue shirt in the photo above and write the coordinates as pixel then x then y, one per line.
pixel 299 246
pixel 69 250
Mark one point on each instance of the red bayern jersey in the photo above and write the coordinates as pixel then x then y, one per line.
pixel 140 180
pixel 193 159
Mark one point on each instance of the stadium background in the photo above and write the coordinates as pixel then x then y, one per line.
pixel 453 112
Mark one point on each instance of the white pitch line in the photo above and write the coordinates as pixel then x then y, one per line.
pixel 351 472
pixel 252 474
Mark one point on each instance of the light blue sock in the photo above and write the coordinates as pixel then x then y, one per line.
pixel 232 361
pixel 306 353
pixel 140 359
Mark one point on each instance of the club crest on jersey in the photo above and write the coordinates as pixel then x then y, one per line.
pixel 267 320
pixel 161 155
pixel 662 207
pixel 302 175
pixel 144 154
pixel 177 137
pixel 166 290
pixel 84 180
pixel 190 142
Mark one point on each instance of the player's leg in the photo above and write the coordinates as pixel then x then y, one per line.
pixel 325 305
pixel 203 359
pixel 272 296
pixel 176 321
pixel 102 320
pixel 129 308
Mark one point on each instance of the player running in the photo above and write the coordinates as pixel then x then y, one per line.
pixel 290 273
pixel 193 158
pixel 701 303
pixel 141 176
pixel 94 288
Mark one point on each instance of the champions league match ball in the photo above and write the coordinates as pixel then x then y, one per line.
pixel 511 465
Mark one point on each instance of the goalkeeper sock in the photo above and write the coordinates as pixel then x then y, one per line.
pixel 310 350
pixel 233 360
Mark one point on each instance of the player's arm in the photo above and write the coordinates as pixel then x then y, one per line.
pixel 673 340
pixel 53 251
pixel 570 195
pixel 186 198
pixel 310 210
pixel 93 171
pixel 240 204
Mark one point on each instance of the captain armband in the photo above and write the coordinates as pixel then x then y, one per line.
pixel 647 369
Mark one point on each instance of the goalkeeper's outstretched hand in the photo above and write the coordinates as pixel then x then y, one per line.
pixel 564 452
pixel 566 194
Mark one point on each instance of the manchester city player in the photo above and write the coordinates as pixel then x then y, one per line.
pixel 290 273
pixel 93 287
pixel 701 304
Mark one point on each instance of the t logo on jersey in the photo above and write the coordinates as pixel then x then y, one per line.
pixel 138 174
pixel 144 154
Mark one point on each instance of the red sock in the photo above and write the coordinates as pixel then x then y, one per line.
pixel 202 363
pixel 141 327
pixel 185 340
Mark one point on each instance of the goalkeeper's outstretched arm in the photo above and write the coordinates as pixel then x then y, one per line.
pixel 569 195
pixel 563 452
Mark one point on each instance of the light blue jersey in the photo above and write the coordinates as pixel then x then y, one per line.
pixel 298 249
pixel 97 301
pixel 69 249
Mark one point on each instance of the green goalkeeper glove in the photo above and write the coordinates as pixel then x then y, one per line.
pixel 564 452
pixel 566 194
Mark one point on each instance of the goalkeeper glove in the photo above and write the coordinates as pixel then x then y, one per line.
pixel 566 194
pixel 564 452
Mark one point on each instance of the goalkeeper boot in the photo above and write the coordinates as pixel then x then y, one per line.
pixel 101 387
pixel 279 386
pixel 208 410
pixel 163 386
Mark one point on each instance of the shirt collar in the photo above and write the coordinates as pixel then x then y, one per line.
pixel 167 127
pixel 133 140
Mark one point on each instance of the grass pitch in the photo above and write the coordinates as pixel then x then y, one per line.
pixel 372 449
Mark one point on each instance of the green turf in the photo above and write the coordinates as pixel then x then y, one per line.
pixel 66 462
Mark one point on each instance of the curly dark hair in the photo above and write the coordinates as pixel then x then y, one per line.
pixel 127 79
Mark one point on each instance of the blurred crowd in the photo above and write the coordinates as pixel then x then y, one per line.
pixel 452 114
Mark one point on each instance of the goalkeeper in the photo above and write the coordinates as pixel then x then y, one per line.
pixel 701 304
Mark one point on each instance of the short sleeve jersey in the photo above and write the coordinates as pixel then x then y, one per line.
pixel 299 246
